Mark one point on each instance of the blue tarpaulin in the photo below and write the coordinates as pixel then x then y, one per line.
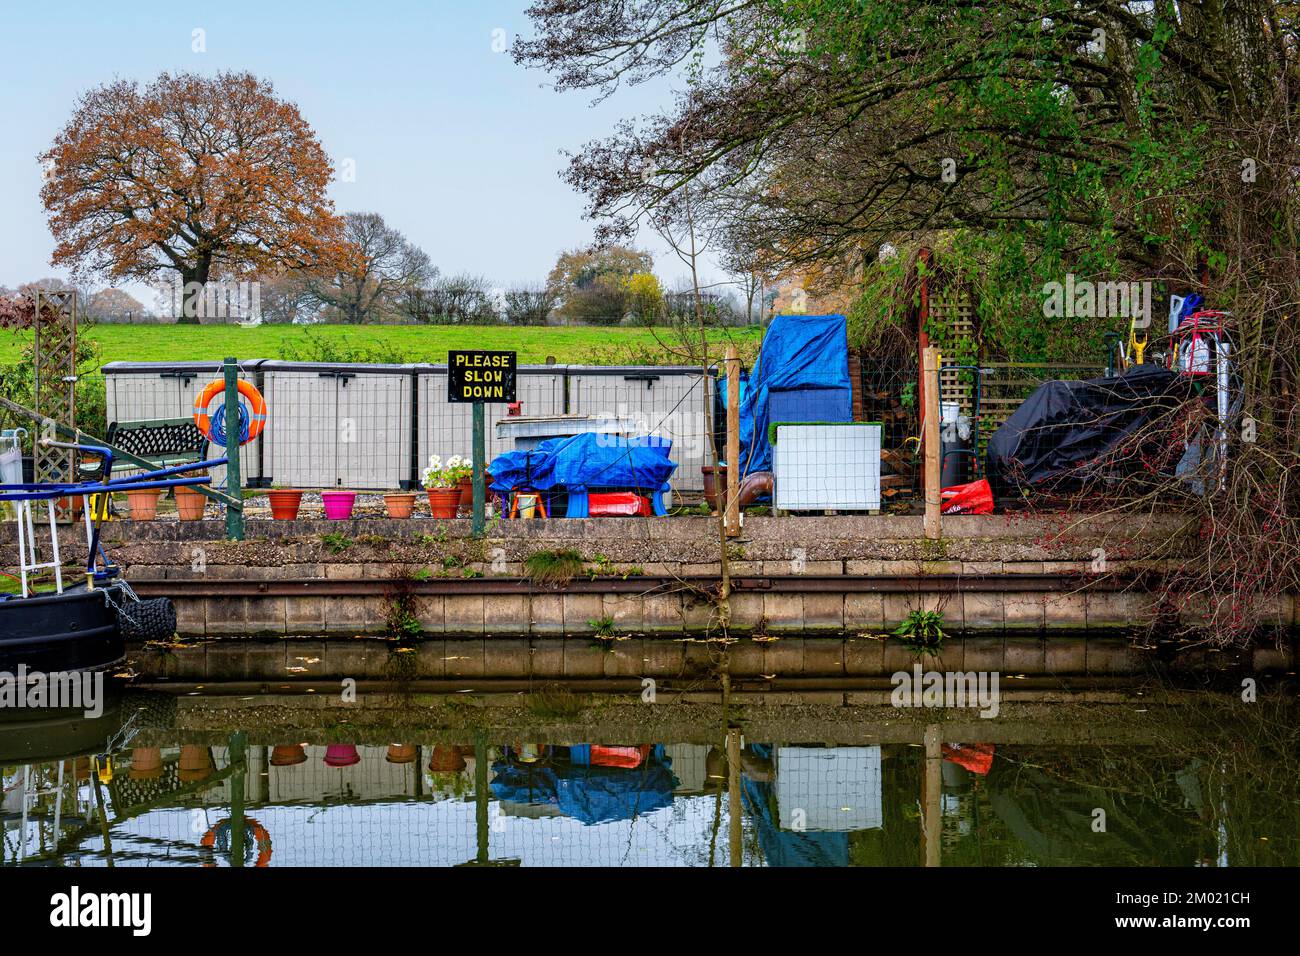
pixel 580 463
pixel 799 352
pixel 587 794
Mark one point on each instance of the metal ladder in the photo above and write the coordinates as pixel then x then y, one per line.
pixel 11 472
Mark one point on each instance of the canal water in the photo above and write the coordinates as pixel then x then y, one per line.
pixel 218 780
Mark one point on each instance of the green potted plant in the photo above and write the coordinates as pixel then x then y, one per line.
pixel 443 484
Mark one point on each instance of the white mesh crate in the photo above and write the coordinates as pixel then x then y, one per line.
pixel 831 467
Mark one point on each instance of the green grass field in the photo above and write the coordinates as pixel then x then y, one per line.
pixel 381 343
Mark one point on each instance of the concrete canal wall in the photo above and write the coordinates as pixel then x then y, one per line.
pixel 830 576
pixel 763 664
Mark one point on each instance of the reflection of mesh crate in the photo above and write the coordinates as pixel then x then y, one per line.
pixel 827 467
pixel 829 788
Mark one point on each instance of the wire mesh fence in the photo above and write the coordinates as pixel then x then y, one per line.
pixel 675 804
pixel 344 805
pixel 372 428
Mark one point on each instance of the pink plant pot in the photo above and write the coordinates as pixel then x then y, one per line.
pixel 341 755
pixel 338 504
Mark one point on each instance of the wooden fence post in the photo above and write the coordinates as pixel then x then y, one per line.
pixel 733 441
pixel 930 439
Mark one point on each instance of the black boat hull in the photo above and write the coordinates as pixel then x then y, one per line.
pixel 73 631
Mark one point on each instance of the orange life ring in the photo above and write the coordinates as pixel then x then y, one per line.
pixel 256 411
pixel 261 840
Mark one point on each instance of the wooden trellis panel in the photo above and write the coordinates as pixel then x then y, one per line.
pixel 1005 386
pixel 953 309
pixel 56 377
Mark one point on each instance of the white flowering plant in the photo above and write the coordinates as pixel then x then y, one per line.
pixel 450 474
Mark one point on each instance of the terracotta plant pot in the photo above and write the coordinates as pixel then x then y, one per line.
pixel 146 763
pixel 196 763
pixel 288 755
pixel 467 492
pixel 284 503
pixel 338 504
pixel 341 755
pixel 400 504
pixel 446 760
pixel 444 502
pixel 401 753
pixel 190 504
pixel 715 486
pixel 143 503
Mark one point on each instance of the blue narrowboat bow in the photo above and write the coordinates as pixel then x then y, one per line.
pixel 82 626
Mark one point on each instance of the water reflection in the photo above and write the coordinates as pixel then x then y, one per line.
pixel 133 802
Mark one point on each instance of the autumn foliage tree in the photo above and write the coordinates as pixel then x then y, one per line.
pixel 206 177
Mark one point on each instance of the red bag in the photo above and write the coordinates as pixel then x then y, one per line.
pixel 975 498
pixel 617 503
pixel 628 757
pixel 977 758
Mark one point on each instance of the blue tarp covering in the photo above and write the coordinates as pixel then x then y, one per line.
pixel 581 462
pixel 799 352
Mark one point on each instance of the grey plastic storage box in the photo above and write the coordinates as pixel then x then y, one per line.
pixel 445 428
pixel 149 391
pixel 335 425
pixel 669 401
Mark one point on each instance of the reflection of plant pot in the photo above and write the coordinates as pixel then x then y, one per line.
pixel 401 753
pixel 715 766
pixel 446 760
pixel 341 755
pixel 146 763
pixel 954 776
pixel 288 755
pixel 400 504
pixel 196 763
pixel 338 504
pixel 715 486
pixel 443 502
pixel 189 503
pixel 143 503
pixel 467 491
pixel 284 504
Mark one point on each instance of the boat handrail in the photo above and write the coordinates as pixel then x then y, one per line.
pixel 158 478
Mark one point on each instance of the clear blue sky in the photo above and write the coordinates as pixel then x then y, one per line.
pixel 454 144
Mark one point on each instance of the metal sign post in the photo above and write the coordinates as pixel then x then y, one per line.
pixel 234 483
pixel 479 377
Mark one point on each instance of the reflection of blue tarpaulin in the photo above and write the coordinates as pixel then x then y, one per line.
pixel 799 352
pixel 580 463
pixel 587 794
pixel 784 847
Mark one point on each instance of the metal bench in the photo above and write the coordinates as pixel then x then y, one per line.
pixel 162 442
